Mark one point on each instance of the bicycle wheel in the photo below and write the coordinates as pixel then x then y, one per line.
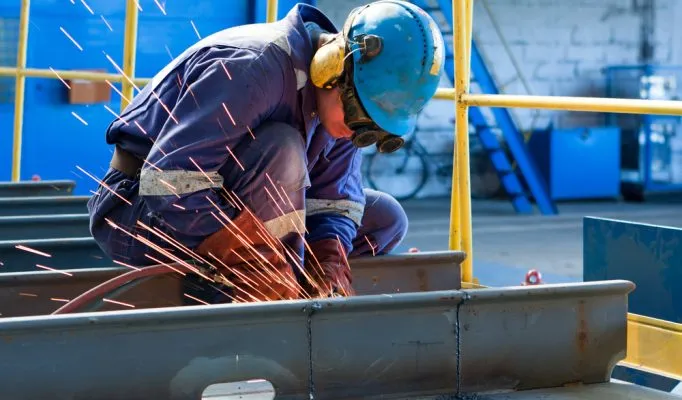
pixel 401 174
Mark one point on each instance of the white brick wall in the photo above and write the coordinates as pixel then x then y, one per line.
pixel 562 47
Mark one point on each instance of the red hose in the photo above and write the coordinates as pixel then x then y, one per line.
pixel 112 284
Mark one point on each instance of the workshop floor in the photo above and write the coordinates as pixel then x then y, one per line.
pixel 506 245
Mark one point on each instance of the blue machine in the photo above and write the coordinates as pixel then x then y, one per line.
pixel 649 256
pixel 579 163
pixel 55 141
pixel 651 144
pixel 515 186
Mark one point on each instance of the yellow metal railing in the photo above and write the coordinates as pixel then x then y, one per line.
pixel 653 345
pixel 460 220
pixel 126 76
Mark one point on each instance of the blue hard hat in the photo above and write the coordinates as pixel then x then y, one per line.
pixel 395 85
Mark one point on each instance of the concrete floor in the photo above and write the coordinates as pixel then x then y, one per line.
pixel 506 245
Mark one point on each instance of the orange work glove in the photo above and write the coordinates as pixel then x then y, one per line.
pixel 328 268
pixel 252 260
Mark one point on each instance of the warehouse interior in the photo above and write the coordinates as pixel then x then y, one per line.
pixel 561 196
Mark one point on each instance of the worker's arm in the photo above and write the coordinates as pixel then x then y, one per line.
pixel 227 92
pixel 335 201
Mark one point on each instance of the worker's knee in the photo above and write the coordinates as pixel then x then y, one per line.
pixel 384 223
pixel 282 154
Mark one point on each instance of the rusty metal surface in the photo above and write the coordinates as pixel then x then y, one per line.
pixel 43 205
pixel 44 226
pixel 40 188
pixel 36 293
pixel 406 344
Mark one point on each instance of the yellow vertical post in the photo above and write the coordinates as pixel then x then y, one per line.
pixel 19 90
pixel 455 242
pixel 272 11
pixel 129 51
pixel 462 16
pixel 465 178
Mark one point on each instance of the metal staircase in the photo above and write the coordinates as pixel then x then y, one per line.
pixel 501 119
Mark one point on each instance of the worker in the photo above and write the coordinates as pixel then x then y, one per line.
pixel 245 152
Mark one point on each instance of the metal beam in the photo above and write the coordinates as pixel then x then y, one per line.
pixel 47 205
pixel 44 227
pixel 407 344
pixel 654 346
pixel 71 253
pixel 602 391
pixel 39 293
pixel 39 188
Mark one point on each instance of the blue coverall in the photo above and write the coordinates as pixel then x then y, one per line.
pixel 236 113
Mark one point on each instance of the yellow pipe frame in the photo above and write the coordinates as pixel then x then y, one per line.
pixel 460 207
pixel 129 52
pixel 271 11
pixel 19 90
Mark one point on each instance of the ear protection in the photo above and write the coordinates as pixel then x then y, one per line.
pixel 332 67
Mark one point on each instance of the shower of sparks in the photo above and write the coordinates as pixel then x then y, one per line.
pixel 54 270
pixel 72 39
pixel 229 115
pixel 106 23
pixel 160 7
pixel 178 206
pixel 141 128
pixel 58 299
pixel 235 158
pixel 117 91
pixel 120 71
pixel 195 299
pixel 28 294
pixel 79 118
pixel 195 29
pixel 126 265
pixel 251 132
pixel 115 115
pixel 120 303
pixel 226 71
pixel 169 52
pixel 60 78
pixel 370 245
pixel 30 250
pixel 139 7
pixel 88 7
pixel 202 171
pixel 104 185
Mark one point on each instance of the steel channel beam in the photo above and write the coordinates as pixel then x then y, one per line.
pixel 44 227
pixel 43 205
pixel 407 344
pixel 39 188
pixel 69 253
pixel 37 293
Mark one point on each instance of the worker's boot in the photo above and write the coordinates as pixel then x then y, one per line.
pixel 327 270
pixel 252 260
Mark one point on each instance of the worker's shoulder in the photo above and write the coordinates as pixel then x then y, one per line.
pixel 257 39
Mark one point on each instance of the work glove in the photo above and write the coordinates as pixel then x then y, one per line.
pixel 252 261
pixel 327 270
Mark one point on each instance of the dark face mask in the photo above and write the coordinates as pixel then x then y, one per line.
pixel 365 131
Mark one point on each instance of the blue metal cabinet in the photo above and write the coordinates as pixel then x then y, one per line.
pixel 579 163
